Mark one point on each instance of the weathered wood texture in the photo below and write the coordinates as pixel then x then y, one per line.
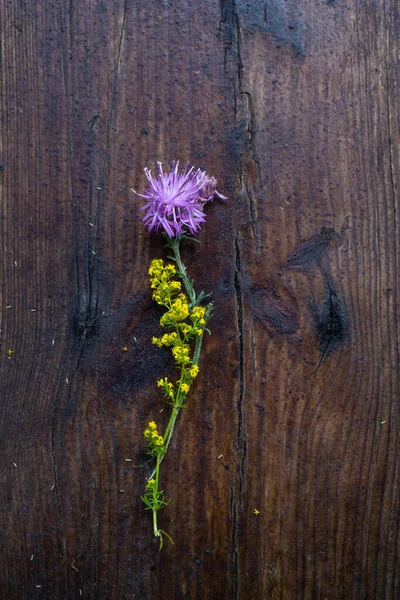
pixel 294 107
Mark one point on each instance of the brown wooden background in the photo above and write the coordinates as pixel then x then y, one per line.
pixel 294 107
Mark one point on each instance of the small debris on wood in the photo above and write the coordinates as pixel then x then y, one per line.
pixel 73 566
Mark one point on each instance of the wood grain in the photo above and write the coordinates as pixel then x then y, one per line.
pixel 294 108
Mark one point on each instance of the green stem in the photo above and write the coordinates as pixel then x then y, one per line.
pixel 155 528
pixel 171 424
pixel 157 473
pixel 174 244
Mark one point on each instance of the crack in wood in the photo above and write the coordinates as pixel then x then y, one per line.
pixel 251 129
pixel 239 304
pixel 241 442
pixel 234 547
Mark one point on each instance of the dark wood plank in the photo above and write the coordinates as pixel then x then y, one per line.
pixel 318 279
pixel 294 109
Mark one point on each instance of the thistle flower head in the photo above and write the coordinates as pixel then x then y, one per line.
pixel 175 200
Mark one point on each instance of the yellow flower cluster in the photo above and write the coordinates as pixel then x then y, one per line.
pixel 156 269
pixel 167 386
pixel 184 324
pixel 168 339
pixel 181 353
pixel 185 328
pixel 194 371
pixel 178 311
pixel 160 281
pixel 154 440
pixel 198 314
pixel 166 293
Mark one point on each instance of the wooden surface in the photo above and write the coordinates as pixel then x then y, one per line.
pixel 294 107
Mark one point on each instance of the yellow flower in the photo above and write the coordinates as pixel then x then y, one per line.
pixel 179 311
pixel 185 388
pixel 150 483
pixel 181 353
pixel 152 425
pixel 168 387
pixel 156 266
pixel 198 312
pixel 194 371
pixel 168 338
pixel 256 512
pixel 169 270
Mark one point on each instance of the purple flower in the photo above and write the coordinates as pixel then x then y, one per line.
pixel 175 200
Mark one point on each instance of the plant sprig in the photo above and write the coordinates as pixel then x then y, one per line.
pixel 185 320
